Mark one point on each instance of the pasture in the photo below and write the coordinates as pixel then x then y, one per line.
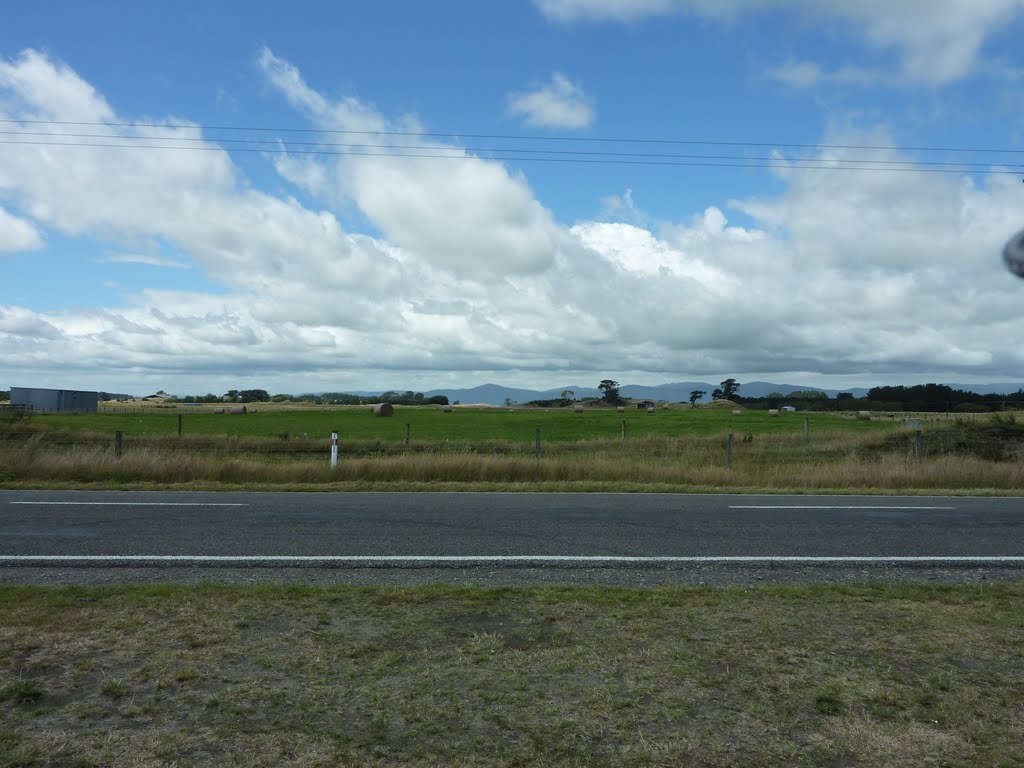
pixel 671 450
pixel 516 425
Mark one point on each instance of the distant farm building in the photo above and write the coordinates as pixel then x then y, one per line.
pixel 55 400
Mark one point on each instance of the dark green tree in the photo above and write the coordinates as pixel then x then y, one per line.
pixel 253 396
pixel 611 391
pixel 696 395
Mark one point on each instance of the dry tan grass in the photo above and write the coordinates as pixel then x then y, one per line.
pixel 824 461
pixel 299 676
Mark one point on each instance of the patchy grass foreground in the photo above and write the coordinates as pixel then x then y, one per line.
pixel 837 676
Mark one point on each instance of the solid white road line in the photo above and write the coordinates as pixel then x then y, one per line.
pixel 129 503
pixel 829 506
pixel 546 559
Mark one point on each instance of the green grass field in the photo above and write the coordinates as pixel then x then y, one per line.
pixel 679 450
pixel 463 424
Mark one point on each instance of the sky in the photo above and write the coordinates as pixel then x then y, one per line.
pixel 196 197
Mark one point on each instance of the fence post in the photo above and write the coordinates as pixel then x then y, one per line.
pixel 807 427
pixel 179 424
pixel 334 449
pixel 623 429
pixel 406 434
pixel 538 444
pixel 729 452
pixel 117 445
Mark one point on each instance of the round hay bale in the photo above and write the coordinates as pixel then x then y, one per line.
pixel 620 409
pixel 737 412
pixel 446 409
pixel 578 408
pixel 383 409
pixel 238 409
pixel 864 415
pixel 773 411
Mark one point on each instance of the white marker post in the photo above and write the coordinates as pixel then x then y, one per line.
pixel 334 449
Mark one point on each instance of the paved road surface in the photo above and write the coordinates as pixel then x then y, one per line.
pixel 505 538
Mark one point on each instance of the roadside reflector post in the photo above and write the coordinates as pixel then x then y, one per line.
pixel 334 449
pixel 117 445
pixel 623 429
pixel 807 427
pixel 917 445
pixel 728 454
pixel 179 424
pixel 406 434
pixel 538 443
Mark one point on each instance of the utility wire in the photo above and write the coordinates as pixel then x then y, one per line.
pixel 822 164
pixel 274 145
pixel 521 137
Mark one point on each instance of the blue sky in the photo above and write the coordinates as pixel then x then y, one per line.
pixel 297 267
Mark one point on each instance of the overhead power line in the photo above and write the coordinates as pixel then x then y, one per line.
pixel 525 137
pixel 502 153
pixel 322 147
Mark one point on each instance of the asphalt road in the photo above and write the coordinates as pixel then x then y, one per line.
pixel 526 538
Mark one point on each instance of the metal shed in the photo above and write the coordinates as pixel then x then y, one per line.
pixel 55 400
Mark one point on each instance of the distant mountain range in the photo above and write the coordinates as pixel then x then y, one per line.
pixel 677 392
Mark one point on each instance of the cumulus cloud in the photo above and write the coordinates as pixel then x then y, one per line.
pixel 937 41
pixel 460 212
pixel 559 103
pixel 840 272
pixel 17 234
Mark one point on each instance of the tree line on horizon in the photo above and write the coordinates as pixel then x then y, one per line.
pixel 927 398
pixel 920 397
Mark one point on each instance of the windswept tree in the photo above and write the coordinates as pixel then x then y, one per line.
pixel 729 388
pixel 568 394
pixel 611 391
pixel 696 395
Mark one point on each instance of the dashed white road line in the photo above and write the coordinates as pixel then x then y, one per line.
pixel 131 503
pixel 830 506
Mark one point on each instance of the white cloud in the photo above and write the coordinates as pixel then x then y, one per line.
pixel 17 234
pixel 559 103
pixel 805 74
pixel 606 10
pixel 40 88
pixel 139 258
pixel 842 272
pixel 25 325
pixel 460 212
pixel 623 208
pixel 937 41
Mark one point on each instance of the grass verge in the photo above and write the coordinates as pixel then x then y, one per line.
pixel 277 676
pixel 967 457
